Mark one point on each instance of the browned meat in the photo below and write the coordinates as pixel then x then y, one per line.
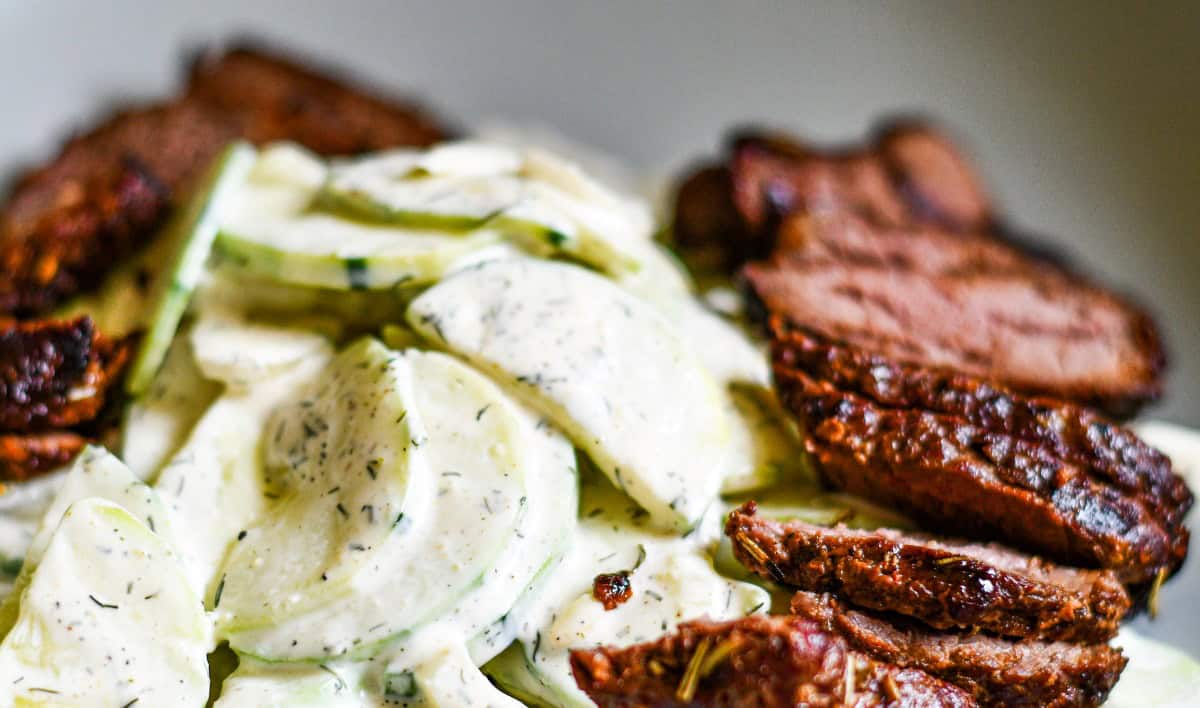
pixel 945 584
pixel 67 223
pixel 274 98
pixel 25 455
pixel 996 672
pixel 1071 433
pixel 910 175
pixel 55 374
pixel 755 661
pixel 975 306
pixel 612 589
pixel 961 478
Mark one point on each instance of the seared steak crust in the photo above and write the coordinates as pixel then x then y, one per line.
pixel 25 455
pixel 755 661
pixel 1077 435
pixel 944 584
pixel 961 478
pixel 55 374
pixel 996 672
pixel 66 224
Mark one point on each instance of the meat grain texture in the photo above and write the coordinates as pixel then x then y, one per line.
pixel 760 661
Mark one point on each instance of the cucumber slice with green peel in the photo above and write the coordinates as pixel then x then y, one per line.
pixel 214 484
pixel 472 470
pixel 321 251
pixel 765 448
pixel 490 610
pixel 157 423
pixel 95 473
pixel 239 351
pixel 454 186
pixel 257 684
pixel 512 671
pixel 190 237
pixel 108 618
pixel 447 203
pixel 289 164
pixel 447 679
pixel 605 366
pixel 673 580
pixel 338 456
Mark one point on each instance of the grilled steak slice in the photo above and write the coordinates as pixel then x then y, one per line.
pixel 25 455
pixel 1076 435
pixel 944 584
pixel 55 374
pixel 68 223
pixel 980 308
pixel 909 175
pixel 755 661
pixel 996 672
pixel 961 478
pixel 273 98
pixel 105 194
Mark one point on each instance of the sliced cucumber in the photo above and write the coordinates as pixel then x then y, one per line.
pixel 512 671
pixel 108 619
pixel 604 365
pixel 490 611
pixel 95 473
pixel 673 580
pixel 190 237
pixel 289 164
pixel 448 679
pixel 157 423
pixel 451 186
pixel 239 351
pixel 257 684
pixel 474 467
pixel 765 447
pixel 338 456
pixel 338 314
pixel 214 484
pixel 1157 675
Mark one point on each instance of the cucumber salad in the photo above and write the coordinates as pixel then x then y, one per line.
pixel 389 419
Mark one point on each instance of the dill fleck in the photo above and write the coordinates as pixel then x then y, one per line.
pixel 217 594
pixel 342 510
pixel 102 604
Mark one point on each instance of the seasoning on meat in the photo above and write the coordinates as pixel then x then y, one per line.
pixel 945 584
pixel 25 455
pixel 612 589
pixel 67 223
pixel 996 672
pixel 755 661
pixel 1072 433
pixel 55 373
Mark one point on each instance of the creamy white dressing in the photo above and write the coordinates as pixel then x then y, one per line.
pixel 239 352
pixel 108 619
pixel 672 578
pixel 214 485
pixel 94 474
pixel 604 365
pixel 157 423
pixel 472 453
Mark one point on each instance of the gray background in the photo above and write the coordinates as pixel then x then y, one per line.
pixel 1085 117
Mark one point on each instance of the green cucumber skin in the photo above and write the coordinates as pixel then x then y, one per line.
pixel 197 230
